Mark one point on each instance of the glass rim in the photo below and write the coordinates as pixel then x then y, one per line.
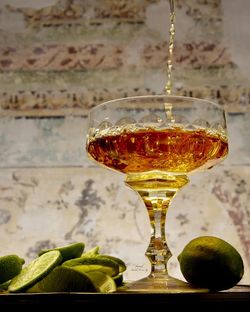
pixel 129 98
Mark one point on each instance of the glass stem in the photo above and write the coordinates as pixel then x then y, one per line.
pixel 157 190
pixel 158 252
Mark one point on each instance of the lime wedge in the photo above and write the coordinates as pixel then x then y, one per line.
pixel 71 251
pixel 10 266
pixel 92 252
pixel 120 262
pixel 35 271
pixel 102 282
pixel 97 263
pixel 62 279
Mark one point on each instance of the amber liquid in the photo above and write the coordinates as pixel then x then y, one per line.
pixel 174 150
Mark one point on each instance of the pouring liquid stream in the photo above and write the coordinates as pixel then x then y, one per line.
pixel 169 85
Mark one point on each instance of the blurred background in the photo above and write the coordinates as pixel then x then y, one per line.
pixel 59 58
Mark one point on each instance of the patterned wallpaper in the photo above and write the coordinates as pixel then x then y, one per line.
pixel 59 58
pixel 69 55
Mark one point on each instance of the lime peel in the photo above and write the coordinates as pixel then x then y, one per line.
pixel 70 251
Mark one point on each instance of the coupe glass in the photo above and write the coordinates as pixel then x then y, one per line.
pixel 157 142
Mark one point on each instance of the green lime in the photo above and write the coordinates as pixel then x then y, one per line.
pixel 103 282
pixel 120 262
pixel 35 271
pixel 10 266
pixel 211 262
pixel 64 279
pixel 71 251
pixel 94 263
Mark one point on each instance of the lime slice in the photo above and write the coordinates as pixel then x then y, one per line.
pixel 120 262
pixel 35 271
pixel 103 282
pixel 63 279
pixel 10 266
pixel 71 251
pixel 97 263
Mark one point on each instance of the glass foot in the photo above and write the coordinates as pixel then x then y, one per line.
pixel 161 284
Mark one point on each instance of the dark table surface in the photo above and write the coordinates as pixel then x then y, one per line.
pixel 237 297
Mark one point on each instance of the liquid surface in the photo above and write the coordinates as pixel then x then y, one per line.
pixel 174 150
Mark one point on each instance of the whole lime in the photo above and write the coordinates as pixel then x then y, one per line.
pixel 211 262
pixel 10 266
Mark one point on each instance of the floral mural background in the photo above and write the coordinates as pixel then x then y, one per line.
pixel 59 58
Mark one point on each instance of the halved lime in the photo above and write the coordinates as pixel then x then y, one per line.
pixel 10 266
pixel 64 279
pixel 70 251
pixel 102 282
pixel 95 263
pixel 35 271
